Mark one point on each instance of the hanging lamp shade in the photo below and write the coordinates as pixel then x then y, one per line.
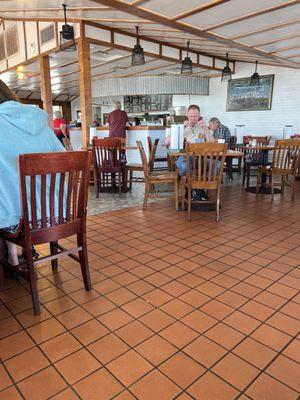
pixel 66 35
pixel 187 65
pixel 255 78
pixel 138 57
pixel 226 73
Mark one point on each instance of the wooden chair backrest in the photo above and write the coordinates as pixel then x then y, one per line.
pixel 107 154
pixel 253 155
pixel 54 190
pixel 205 163
pixel 262 140
pixel 147 165
pixel 152 155
pixel 286 155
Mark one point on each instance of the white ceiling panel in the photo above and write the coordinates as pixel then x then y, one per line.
pixel 171 8
pixel 259 22
pixel 227 11
pixel 289 53
pixel 281 45
pixel 272 34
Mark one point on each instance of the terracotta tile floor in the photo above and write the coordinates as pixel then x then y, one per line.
pixel 179 310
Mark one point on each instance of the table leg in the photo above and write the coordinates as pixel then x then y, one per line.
pixel 265 162
pixel 229 168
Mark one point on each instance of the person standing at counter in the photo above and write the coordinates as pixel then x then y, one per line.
pixel 117 121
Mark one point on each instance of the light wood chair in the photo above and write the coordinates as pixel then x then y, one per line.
pixel 205 164
pixel 54 192
pixel 152 179
pixel 286 158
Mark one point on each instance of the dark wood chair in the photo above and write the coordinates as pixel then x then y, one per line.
pixel 157 159
pixel 108 163
pixel 233 146
pixel 286 158
pixel 253 157
pixel 152 178
pixel 205 164
pixel 54 191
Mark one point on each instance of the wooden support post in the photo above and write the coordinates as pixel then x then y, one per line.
pixel 46 93
pixel 85 85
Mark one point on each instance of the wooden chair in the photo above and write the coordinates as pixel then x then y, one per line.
pixel 108 164
pixel 232 145
pixel 54 192
pixel 205 163
pixel 253 157
pixel 286 158
pixel 152 179
pixel 157 159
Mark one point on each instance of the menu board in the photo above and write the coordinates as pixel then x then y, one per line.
pixel 146 103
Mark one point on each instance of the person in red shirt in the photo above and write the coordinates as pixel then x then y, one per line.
pixel 117 121
pixel 60 127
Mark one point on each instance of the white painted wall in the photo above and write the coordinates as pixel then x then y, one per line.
pixel 285 104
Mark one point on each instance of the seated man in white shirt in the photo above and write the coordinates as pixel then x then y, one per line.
pixel 195 132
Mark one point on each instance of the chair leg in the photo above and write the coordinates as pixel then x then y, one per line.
pixel 182 194
pixel 283 182
pixel 146 195
pixel 2 257
pixel 130 179
pixel 176 193
pixel 32 280
pixel 189 202
pixel 218 205
pixel 83 259
pixel 53 251
pixel 293 186
pixel 272 187
pixel 248 175
pixel 258 178
pixel 244 174
pixel 120 183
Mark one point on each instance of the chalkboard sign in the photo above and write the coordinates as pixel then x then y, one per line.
pixel 241 96
pixel 147 103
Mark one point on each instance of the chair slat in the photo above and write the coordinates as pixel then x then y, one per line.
pixel 33 201
pixel 69 196
pixel 61 197
pixel 52 199
pixel 43 200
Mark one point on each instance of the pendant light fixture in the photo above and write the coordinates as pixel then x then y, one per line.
pixel 138 57
pixel 226 73
pixel 67 38
pixel 255 78
pixel 187 65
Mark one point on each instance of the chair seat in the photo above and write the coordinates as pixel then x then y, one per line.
pixel 169 176
pixel 134 167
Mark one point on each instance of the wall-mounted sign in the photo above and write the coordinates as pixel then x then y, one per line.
pixel 243 97
pixel 147 103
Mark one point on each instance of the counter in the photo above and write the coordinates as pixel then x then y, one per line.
pixel 141 132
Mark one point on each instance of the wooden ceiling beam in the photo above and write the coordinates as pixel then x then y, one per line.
pixel 149 39
pixel 252 15
pixel 143 13
pixel 199 9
